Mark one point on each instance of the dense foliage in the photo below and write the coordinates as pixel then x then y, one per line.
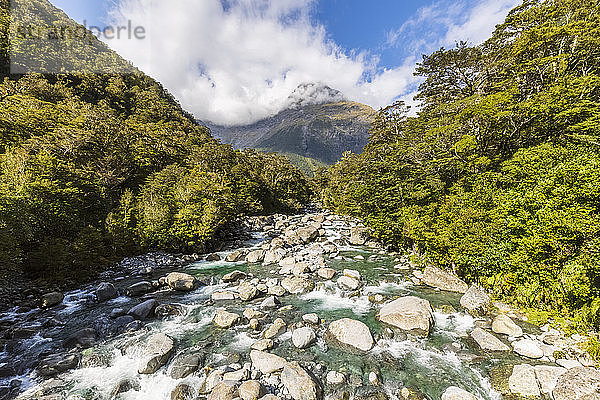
pixel 98 166
pixel 498 175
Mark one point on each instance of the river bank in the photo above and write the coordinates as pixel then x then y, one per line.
pixel 307 307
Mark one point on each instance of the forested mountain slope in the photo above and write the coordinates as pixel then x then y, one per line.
pixel 498 177
pixel 99 166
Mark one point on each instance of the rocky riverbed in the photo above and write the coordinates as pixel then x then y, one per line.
pixel 308 308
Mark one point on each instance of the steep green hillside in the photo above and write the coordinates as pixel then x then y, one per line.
pixel 99 166
pixel 498 177
pixel 322 132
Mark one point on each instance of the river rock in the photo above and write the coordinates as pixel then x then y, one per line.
pixel 106 291
pixel 354 274
pixel 255 256
pixel 456 393
pixel 266 363
pixel 487 341
pixel 408 313
pixel 183 391
pixel 223 296
pixel 181 282
pixel 297 285
pixel 124 386
pixel 276 290
pixel 164 311
pixel 579 383
pixel 239 375
pixel 505 325
pixel 225 319
pixel 250 313
pixel 352 333
pixel 144 310
pixel 548 376
pixel 139 289
pixel 326 273
pixel 303 337
pixel 523 382
pixel 235 256
pixel 247 291
pixel 308 234
pixel 184 365
pixel 359 235
pixel 52 299
pixel 277 328
pixel 223 391
pixel 262 345
pixel 348 283
pixel 57 363
pixel 270 302
pixel 443 280
pixel 274 256
pixel 300 268
pixel 311 318
pixel 234 276
pixel 528 348
pixel 82 338
pixel 251 390
pixel 159 348
pixel 476 300
pixel 335 378
pixel 299 383
pixel 213 257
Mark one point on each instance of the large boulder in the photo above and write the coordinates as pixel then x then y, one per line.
pixel 251 390
pixel 52 299
pixel 504 325
pixel 235 256
pixel 278 327
pixel 184 365
pixel 181 282
pixel 348 283
pixel 143 310
pixel 224 391
pixel 299 383
pixel 476 300
pixel 528 348
pixel 303 337
pixel 266 363
pixel 308 234
pixel 326 273
pixel 487 341
pixel 351 333
pixel 106 291
pixel 523 382
pixel 247 291
pixel 297 285
pixel 579 383
pixel 183 391
pixel 548 376
pixel 411 314
pixel 274 256
pixel 85 337
pixel 234 276
pixel 225 319
pixel 359 235
pixel 456 393
pixel 159 348
pixel 443 280
pixel 255 256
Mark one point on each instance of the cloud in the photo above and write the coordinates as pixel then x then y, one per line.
pixel 237 61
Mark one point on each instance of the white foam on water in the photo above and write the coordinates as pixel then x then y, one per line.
pixel 329 297
pixel 75 301
pixel 388 288
pixel 242 342
pixel 455 324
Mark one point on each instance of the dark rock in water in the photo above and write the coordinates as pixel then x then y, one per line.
pixel 117 312
pixel 124 386
pixel 106 291
pixel 371 394
pixel 185 364
pixel 82 338
pixel 213 257
pixel 23 332
pixel 120 324
pixel 234 276
pixel 91 358
pixel 52 299
pixel 139 289
pixel 144 310
pixel 57 363
pixel 169 310
pixel 183 392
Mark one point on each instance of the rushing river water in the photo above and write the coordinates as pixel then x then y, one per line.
pixel 430 365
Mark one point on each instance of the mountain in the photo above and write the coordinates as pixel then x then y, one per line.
pixel 316 128
pixel 98 166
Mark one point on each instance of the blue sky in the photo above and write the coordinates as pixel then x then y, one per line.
pixel 236 61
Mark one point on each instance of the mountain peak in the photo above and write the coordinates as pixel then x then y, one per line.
pixel 313 93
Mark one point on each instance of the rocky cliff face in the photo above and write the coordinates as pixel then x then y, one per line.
pixel 319 124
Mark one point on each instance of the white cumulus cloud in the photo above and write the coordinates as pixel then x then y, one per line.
pixel 237 61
